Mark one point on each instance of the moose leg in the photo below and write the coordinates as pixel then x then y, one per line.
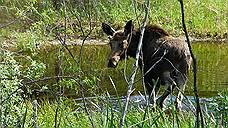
pixel 170 83
pixel 181 81
pixel 179 97
pixel 167 92
pixel 152 87
pixel 151 93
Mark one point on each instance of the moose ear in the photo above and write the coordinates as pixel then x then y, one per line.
pixel 107 29
pixel 128 27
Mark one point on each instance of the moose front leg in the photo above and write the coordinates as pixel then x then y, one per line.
pixel 152 87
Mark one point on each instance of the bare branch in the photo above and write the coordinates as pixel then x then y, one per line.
pixel 63 43
pixel 135 66
pixel 198 109
pixel 84 104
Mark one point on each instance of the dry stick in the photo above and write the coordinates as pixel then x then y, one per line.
pixel 142 70
pixel 60 72
pixel 135 66
pixel 83 34
pixel 198 109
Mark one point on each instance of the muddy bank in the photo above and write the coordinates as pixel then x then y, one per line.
pixel 104 42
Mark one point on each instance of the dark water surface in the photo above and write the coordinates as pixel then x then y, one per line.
pixel 212 77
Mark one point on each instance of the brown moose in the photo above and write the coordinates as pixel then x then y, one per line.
pixel 164 59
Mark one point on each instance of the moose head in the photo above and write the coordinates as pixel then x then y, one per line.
pixel 118 41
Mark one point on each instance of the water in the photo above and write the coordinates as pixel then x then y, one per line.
pixel 212 66
pixel 212 77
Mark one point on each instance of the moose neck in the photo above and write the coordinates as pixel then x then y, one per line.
pixel 133 44
pixel 151 34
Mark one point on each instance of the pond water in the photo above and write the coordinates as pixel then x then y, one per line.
pixel 212 74
pixel 212 66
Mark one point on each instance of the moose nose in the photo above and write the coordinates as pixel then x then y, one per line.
pixel 113 61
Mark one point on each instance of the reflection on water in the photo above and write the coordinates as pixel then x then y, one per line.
pixel 212 66
pixel 212 74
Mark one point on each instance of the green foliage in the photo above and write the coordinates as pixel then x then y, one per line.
pixel 10 99
pixel 12 88
pixel 219 107
pixel 40 21
pixel 35 70
pixel 26 41
pixel 45 18
pixel 105 114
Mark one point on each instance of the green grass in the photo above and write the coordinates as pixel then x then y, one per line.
pixel 106 115
pixel 28 42
pixel 204 18
pixel 71 114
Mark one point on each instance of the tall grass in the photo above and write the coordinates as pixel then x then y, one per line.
pixel 203 18
pixel 106 113
pixel 38 22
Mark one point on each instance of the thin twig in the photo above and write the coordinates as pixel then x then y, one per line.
pixel 198 109
pixel 15 91
pixel 79 60
pixel 155 64
pixel 48 78
pixel 32 82
pixel 84 35
pixel 84 104
pixel 63 43
pixel 56 114
pixel 8 24
pixel 135 11
pixel 135 66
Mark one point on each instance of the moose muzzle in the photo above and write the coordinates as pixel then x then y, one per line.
pixel 113 61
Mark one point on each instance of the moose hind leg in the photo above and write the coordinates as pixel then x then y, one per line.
pixel 170 84
pixel 181 81
pixel 152 87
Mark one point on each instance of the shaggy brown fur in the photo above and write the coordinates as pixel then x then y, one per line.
pixel 165 58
